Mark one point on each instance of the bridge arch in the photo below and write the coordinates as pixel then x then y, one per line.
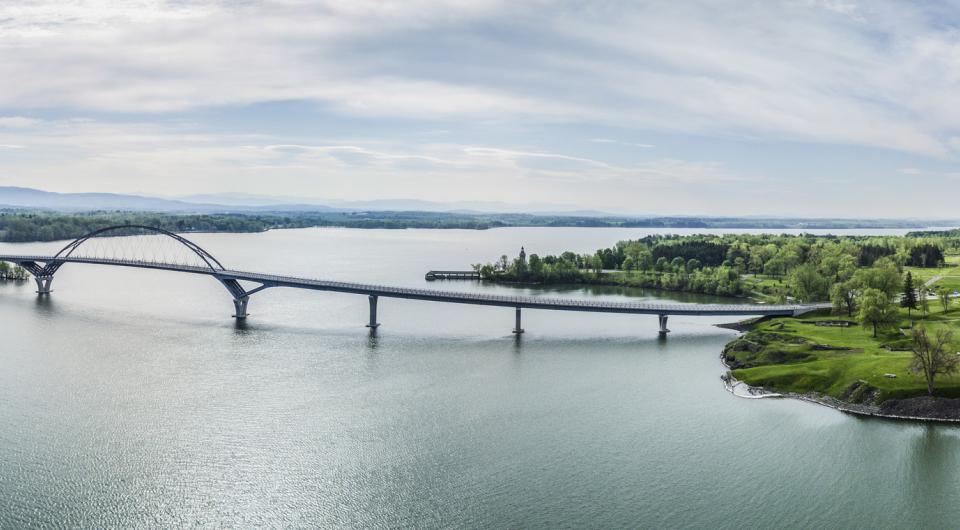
pixel 206 257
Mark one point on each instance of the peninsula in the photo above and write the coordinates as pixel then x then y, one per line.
pixel 887 348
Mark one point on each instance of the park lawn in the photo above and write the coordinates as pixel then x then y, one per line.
pixel 949 279
pixel 831 372
pixel 949 274
pixel 761 286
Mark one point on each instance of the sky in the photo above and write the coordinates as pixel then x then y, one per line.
pixel 796 107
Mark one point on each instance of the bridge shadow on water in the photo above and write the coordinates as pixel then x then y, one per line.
pixel 241 326
pixel 45 306
pixel 373 340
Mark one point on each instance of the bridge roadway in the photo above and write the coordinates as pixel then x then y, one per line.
pixel 230 278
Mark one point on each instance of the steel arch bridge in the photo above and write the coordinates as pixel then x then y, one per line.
pixel 43 269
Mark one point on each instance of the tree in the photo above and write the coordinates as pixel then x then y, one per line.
pixel 908 298
pixel 931 356
pixel 535 266
pixel 596 263
pixel 923 301
pixel 678 264
pixel 662 264
pixel 842 296
pixel 944 295
pixel 882 276
pixel 807 284
pixel 876 309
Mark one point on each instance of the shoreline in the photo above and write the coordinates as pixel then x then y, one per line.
pixel 743 390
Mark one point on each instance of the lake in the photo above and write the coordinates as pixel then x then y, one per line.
pixel 130 398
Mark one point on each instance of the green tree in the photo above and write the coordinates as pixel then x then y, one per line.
pixel 908 298
pixel 923 301
pixel 842 296
pixel 932 356
pixel 596 263
pixel 678 264
pixel 883 276
pixel 876 310
pixel 535 266
pixel 661 265
pixel 943 294
pixel 807 284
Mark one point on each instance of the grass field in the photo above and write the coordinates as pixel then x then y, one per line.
pixel 948 276
pixel 791 357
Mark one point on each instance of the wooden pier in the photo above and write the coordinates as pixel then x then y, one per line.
pixel 452 275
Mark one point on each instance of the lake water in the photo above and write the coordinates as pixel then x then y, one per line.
pixel 130 398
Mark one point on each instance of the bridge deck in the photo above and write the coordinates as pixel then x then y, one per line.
pixel 532 302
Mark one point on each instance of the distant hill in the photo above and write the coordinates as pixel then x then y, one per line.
pixel 408 213
pixel 19 197
pixel 31 198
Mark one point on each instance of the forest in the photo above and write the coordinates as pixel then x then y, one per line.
pixel 804 268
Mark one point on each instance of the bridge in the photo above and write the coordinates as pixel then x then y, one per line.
pixel 139 249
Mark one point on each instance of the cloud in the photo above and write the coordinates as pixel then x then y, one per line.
pixel 611 141
pixel 17 122
pixel 881 74
pixel 85 155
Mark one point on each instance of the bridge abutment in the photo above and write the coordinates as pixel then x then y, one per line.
pixel 43 284
pixel 663 325
pixel 373 324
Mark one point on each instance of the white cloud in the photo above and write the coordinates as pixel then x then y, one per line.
pixel 611 141
pixel 538 98
pixel 882 74
pixel 83 155
pixel 17 122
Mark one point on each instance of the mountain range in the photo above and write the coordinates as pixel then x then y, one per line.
pixel 20 197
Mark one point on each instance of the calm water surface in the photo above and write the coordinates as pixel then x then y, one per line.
pixel 131 399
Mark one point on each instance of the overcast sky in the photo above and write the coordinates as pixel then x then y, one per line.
pixel 802 107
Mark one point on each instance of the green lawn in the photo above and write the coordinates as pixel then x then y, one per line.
pixel 949 275
pixel 800 367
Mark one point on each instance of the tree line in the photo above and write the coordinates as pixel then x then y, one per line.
pixel 804 268
pixel 19 226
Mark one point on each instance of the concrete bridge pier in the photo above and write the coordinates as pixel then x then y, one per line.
pixel 663 325
pixel 43 284
pixel 516 328
pixel 373 312
pixel 240 307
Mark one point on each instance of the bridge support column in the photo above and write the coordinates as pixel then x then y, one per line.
pixel 373 312
pixel 517 329
pixel 240 307
pixel 663 325
pixel 43 284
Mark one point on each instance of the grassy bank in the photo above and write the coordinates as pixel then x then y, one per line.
pixel 848 363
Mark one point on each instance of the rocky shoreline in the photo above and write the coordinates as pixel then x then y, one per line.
pixel 924 409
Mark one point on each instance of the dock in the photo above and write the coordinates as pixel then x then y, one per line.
pixel 452 275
